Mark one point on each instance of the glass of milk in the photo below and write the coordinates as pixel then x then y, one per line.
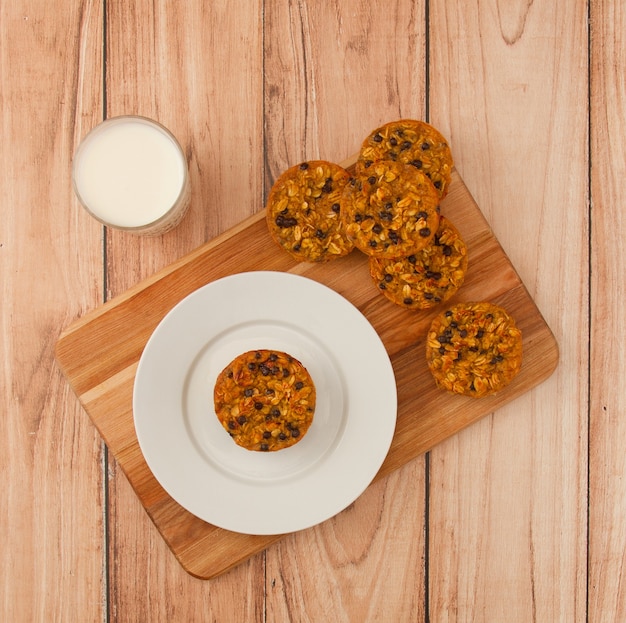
pixel 130 173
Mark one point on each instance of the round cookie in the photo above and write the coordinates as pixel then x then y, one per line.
pixel 303 211
pixel 412 142
pixel 265 400
pixel 391 210
pixel 474 349
pixel 427 277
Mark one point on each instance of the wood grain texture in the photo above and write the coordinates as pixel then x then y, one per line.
pixel 51 461
pixel 508 496
pixel 199 72
pixel 333 72
pixel 360 565
pixel 607 486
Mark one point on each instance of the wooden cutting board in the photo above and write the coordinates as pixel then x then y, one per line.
pixel 99 355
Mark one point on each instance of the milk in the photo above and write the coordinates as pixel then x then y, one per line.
pixel 130 173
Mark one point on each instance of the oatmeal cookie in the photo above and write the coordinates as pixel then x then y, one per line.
pixel 265 400
pixel 474 349
pixel 303 211
pixel 425 278
pixel 391 210
pixel 412 142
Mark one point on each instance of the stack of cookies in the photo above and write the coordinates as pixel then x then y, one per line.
pixel 389 210
pixel 417 258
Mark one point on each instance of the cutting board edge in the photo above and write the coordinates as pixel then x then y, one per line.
pixel 105 307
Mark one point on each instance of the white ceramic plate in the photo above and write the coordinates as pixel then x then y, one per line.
pixel 194 458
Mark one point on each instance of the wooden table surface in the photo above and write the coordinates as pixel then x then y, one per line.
pixel 521 516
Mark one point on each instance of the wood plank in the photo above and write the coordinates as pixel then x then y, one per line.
pixel 607 486
pixel 333 72
pixel 371 555
pixel 116 339
pixel 508 496
pixel 197 68
pixel 50 273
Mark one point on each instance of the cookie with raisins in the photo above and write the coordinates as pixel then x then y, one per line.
pixel 304 211
pixel 265 400
pixel 412 142
pixel 427 277
pixel 474 349
pixel 390 210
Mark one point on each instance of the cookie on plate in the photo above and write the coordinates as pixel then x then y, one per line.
pixel 427 277
pixel 304 211
pixel 390 210
pixel 412 142
pixel 474 349
pixel 265 400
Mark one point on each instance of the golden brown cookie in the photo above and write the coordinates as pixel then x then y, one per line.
pixel 474 349
pixel 265 400
pixel 412 142
pixel 391 210
pixel 303 211
pixel 427 277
